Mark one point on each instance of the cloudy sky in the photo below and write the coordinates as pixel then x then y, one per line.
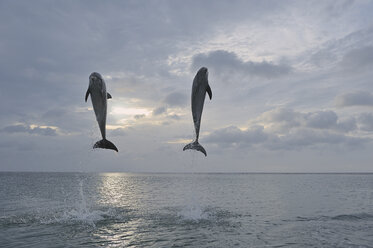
pixel 292 85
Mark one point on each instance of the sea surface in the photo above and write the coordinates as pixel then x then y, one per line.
pixel 185 210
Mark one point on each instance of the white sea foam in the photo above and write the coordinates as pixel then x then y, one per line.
pixel 193 212
pixel 80 213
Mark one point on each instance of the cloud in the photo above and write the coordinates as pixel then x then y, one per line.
pixel 54 113
pixel 159 110
pixel 358 58
pixel 118 132
pixel 18 145
pixel 163 110
pixel 44 68
pixel 68 119
pixel 359 98
pixel 321 119
pixel 20 128
pixel 138 117
pixel 347 125
pixel 222 61
pixel 302 138
pixel 281 119
pixel 232 135
pixel 286 129
pixel 174 117
pixel 366 122
pixel 297 139
pixel 176 99
pixel 285 119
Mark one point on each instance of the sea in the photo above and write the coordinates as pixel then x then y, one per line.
pixel 185 210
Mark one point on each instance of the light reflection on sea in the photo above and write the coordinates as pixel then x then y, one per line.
pixel 187 210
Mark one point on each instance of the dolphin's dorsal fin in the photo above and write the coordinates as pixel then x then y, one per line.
pixel 108 95
pixel 87 94
pixel 208 89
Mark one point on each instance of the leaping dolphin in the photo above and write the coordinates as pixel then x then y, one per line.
pixel 199 89
pixel 99 96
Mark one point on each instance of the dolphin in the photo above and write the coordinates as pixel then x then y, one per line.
pixel 99 96
pixel 199 89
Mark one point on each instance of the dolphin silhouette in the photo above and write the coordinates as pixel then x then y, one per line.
pixel 99 96
pixel 199 89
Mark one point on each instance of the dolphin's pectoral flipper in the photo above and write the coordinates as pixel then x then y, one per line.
pixel 105 144
pixel 108 96
pixel 208 89
pixel 87 94
pixel 195 146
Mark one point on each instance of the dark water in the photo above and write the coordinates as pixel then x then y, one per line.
pixel 186 210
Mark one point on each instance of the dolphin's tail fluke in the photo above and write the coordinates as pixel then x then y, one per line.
pixel 105 144
pixel 195 146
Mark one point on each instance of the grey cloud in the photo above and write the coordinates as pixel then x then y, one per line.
pixel 54 71
pixel 138 117
pixel 282 115
pixel 351 53
pixel 19 145
pixel 68 119
pixel 359 98
pixel 163 110
pixel 174 117
pixel 298 139
pixel 222 61
pixel 348 125
pixel 284 120
pixel 329 120
pixel 46 131
pixel 235 136
pixel 159 110
pixel 118 132
pixel 166 123
pixel 230 134
pixel 359 58
pixel 336 9
pixel 176 99
pixel 321 119
pixel 54 113
pixel 16 129
pixel 302 138
pixel 322 58
pixel 366 122
pixel 44 68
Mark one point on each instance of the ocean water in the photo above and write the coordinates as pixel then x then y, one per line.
pixel 185 210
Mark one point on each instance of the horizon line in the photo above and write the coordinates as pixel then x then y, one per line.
pixel 183 172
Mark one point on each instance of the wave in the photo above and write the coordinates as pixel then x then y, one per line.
pixel 67 216
pixel 341 217
pixel 353 217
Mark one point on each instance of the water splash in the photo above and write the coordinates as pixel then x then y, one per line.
pixel 82 213
pixel 83 203
pixel 193 212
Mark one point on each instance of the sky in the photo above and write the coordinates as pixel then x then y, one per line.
pixel 292 85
